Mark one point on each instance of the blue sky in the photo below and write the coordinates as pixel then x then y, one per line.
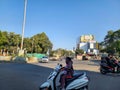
pixel 62 20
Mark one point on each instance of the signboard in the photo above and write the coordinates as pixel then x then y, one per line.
pixel 86 38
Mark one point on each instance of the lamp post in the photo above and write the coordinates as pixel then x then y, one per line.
pixel 23 27
pixel 32 45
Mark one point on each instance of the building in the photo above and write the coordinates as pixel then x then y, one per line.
pixel 88 44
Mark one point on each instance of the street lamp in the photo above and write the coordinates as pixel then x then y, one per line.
pixel 32 45
pixel 23 27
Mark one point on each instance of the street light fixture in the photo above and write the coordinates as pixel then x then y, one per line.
pixel 23 27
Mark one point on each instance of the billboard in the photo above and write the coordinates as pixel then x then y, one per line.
pixel 86 38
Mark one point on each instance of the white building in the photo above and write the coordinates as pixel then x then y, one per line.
pixel 88 44
pixel 83 46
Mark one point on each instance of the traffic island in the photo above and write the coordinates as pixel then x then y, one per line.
pixel 19 59
pixel 32 60
pixel 5 58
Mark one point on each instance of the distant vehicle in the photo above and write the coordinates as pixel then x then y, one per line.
pixel 44 59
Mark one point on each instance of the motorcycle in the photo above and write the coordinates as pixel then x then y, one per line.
pixel 78 82
pixel 104 68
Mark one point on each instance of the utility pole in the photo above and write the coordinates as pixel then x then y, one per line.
pixel 23 27
pixel 32 45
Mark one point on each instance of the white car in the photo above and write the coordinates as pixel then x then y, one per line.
pixel 44 59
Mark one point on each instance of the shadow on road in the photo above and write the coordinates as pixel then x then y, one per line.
pixel 99 81
pixel 94 62
pixel 16 76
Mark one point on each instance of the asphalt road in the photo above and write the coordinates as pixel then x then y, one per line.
pixel 15 76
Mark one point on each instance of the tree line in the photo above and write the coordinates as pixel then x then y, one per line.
pixel 62 52
pixel 38 43
pixel 111 43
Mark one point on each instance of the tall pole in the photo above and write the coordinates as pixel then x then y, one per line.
pixel 32 45
pixel 23 27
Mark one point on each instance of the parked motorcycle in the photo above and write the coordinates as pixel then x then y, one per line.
pixel 78 82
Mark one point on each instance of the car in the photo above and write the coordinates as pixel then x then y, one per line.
pixel 44 59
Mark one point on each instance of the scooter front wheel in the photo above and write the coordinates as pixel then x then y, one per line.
pixel 84 88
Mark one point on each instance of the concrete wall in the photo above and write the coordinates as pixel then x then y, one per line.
pixel 5 58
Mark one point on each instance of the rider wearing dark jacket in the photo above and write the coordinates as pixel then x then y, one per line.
pixel 109 62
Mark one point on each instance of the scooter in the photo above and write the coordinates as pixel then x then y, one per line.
pixel 78 82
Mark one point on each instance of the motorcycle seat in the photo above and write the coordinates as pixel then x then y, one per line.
pixel 75 76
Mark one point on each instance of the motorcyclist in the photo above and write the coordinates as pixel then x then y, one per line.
pixel 111 62
pixel 67 72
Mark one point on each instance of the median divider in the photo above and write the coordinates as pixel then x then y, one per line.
pixel 29 58
pixel 5 58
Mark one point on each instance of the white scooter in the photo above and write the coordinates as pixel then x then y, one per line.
pixel 78 82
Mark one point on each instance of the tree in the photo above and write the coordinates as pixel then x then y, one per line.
pixel 109 38
pixel 52 53
pixel 3 39
pixel 27 44
pixel 79 51
pixel 39 43
pixel 116 46
pixel 112 42
pixel 62 52
pixel 14 41
pixel 42 43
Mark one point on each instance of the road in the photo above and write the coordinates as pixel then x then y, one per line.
pixel 15 76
